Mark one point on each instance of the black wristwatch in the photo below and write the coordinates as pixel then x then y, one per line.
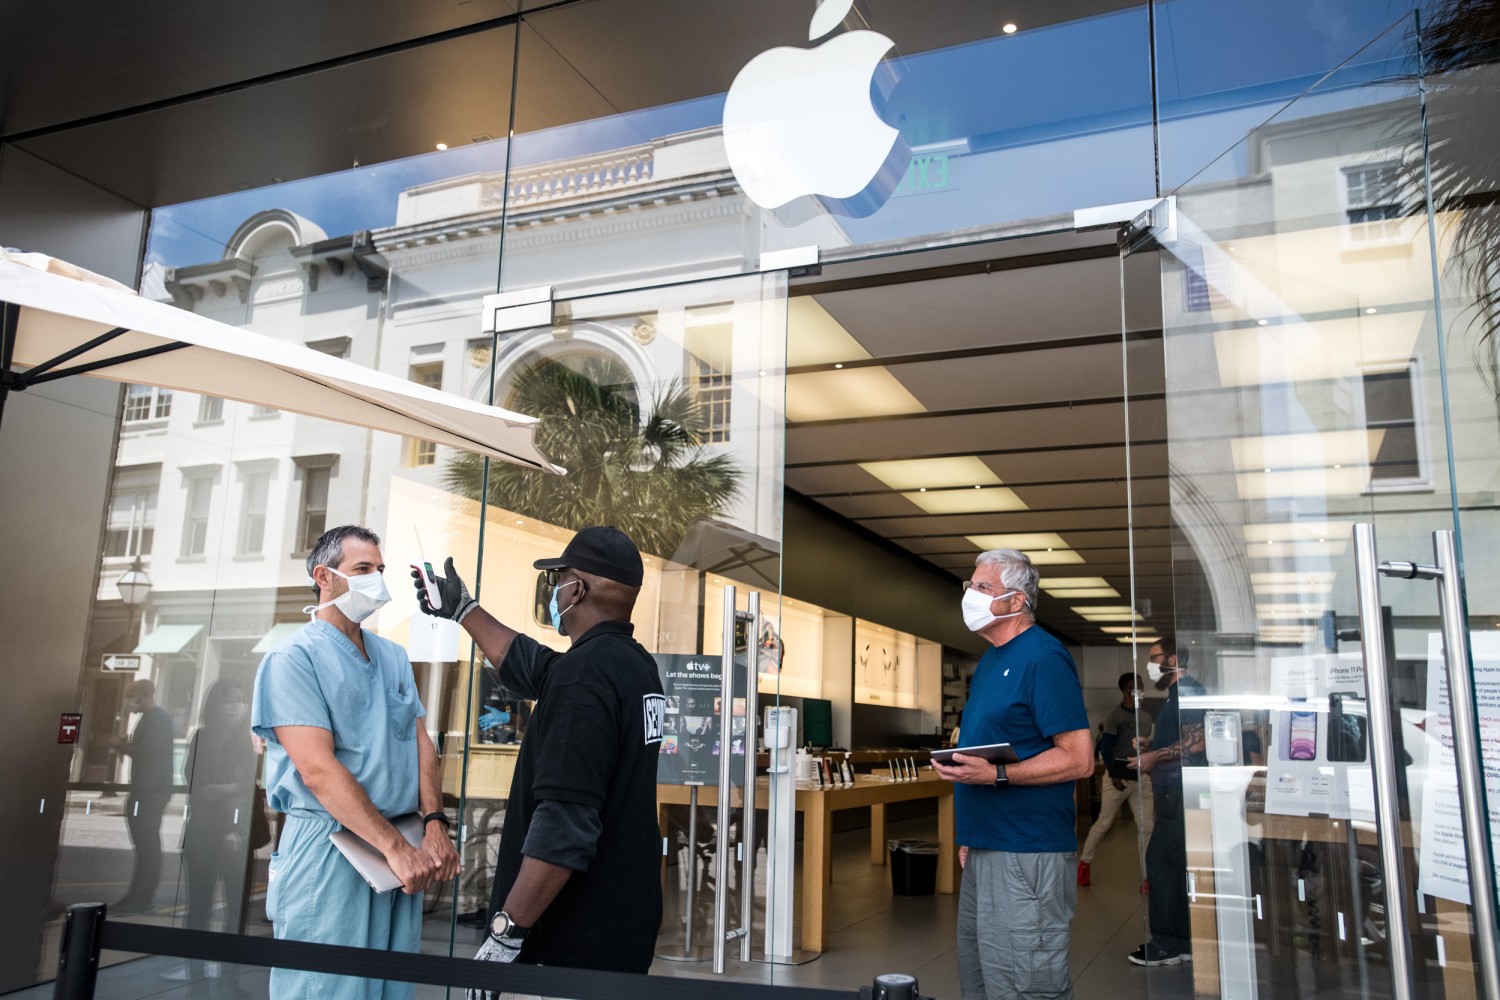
pixel 440 817
pixel 1000 779
pixel 503 927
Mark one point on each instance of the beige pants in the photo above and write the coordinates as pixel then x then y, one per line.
pixel 1138 794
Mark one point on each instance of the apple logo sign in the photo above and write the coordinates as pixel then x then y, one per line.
pixel 798 122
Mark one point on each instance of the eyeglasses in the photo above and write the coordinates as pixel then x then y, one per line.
pixel 981 586
pixel 553 576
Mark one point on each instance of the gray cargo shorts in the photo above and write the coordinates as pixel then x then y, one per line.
pixel 1014 912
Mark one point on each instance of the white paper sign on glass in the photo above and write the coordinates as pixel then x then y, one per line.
pixel 1442 866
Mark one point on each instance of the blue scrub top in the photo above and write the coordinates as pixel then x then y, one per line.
pixel 318 677
pixel 1024 693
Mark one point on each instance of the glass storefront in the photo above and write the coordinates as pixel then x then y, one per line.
pixel 826 366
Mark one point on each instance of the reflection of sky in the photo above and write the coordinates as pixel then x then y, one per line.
pixel 1035 124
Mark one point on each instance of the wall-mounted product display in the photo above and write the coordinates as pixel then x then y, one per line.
pixel 791 650
pixel 885 666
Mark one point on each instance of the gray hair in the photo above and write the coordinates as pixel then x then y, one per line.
pixel 1016 572
pixel 329 550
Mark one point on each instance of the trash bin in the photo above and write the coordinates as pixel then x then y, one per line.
pixel 913 867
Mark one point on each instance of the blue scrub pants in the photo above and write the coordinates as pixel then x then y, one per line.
pixel 315 895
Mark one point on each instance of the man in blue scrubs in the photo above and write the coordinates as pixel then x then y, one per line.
pixel 338 709
pixel 1016 830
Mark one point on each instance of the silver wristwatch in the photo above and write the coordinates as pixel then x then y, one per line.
pixel 504 927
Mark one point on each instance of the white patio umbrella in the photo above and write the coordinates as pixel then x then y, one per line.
pixel 57 320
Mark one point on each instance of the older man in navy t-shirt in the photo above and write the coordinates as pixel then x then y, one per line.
pixel 1016 829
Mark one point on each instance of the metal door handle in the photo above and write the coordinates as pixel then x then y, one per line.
pixel 726 781
pixel 747 822
pixel 1383 757
pixel 1466 749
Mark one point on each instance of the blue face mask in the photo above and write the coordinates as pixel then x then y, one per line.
pixel 552 611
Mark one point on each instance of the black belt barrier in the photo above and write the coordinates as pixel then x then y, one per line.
pixel 86 932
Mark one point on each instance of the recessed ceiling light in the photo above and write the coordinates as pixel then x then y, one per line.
pixel 762 374
pixel 1008 28
pixel 442 145
pixel 1262 322
pixel 931 473
pixel 1370 311
pixel 922 490
pixel 839 365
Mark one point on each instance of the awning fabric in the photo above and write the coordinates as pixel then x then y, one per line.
pixel 131 339
pixel 273 638
pixel 168 639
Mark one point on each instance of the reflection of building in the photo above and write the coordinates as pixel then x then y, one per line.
pixel 222 500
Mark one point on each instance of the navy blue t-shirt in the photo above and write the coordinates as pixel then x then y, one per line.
pixel 1024 693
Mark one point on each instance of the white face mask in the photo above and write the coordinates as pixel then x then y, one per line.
pixel 1154 671
pixel 365 596
pixel 976 608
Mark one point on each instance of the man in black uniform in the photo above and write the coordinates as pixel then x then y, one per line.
pixel 150 752
pixel 577 879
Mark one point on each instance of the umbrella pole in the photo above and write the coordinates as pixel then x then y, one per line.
pixel 10 321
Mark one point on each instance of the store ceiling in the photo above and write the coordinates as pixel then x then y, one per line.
pixel 1013 357
pixel 151 101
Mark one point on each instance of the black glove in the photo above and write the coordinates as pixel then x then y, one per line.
pixel 455 596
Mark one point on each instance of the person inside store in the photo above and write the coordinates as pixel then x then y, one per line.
pixel 221 815
pixel 1126 723
pixel 1177 741
pixel 577 882
pixel 150 753
pixel 337 706
pixel 1015 823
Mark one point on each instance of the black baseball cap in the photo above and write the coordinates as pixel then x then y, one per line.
pixel 602 551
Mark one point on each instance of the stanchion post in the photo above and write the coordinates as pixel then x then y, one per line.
pixel 78 955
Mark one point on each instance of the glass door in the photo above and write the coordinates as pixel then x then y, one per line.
pixel 1317 425
pixel 666 406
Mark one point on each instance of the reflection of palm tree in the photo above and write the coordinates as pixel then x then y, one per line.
pixel 644 474
pixel 1460 45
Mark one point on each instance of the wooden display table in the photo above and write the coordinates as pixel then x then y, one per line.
pixel 817 807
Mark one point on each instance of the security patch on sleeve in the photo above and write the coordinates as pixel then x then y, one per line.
pixel 655 708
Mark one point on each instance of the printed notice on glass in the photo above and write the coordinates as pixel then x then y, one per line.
pixel 1441 865
pixel 692 742
pixel 1317 763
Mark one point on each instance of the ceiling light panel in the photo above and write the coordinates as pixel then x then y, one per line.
pixel 1108 616
pixel 1144 640
pixel 1345 482
pixel 1117 629
pixel 1298 351
pixel 816 338
pixel 1083 593
pixel 1053 557
pixel 841 395
pixel 1298 531
pixel 1022 542
pixel 1296 552
pixel 932 473
pixel 1290 451
pixel 1055 583
pixel 981 501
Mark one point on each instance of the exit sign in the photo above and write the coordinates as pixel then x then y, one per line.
pixel 925 172
pixel 122 661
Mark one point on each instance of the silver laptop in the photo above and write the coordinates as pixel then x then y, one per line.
pixel 369 862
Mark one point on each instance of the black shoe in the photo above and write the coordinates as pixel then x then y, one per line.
pixel 1150 955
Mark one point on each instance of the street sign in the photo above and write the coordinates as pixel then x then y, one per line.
pixel 122 661
pixel 68 726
